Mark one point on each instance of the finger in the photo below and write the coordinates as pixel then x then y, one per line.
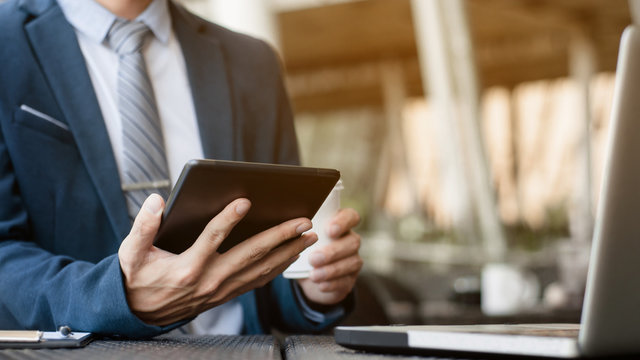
pixel 268 276
pixel 281 255
pixel 274 259
pixel 145 226
pixel 342 222
pixel 239 285
pixel 335 250
pixel 345 267
pixel 218 229
pixel 342 285
pixel 254 249
pixel 259 245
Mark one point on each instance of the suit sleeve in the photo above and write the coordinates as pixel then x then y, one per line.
pixel 41 290
pixel 276 306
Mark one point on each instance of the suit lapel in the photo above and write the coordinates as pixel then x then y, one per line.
pixel 210 86
pixel 55 44
pixel 56 47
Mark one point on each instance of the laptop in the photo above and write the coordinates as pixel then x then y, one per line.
pixel 610 322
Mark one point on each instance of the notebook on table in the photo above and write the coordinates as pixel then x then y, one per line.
pixel 610 322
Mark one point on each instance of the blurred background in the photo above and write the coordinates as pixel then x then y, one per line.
pixel 469 134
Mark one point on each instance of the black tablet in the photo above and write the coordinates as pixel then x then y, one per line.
pixel 278 193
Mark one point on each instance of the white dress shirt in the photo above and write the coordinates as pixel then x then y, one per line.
pixel 168 74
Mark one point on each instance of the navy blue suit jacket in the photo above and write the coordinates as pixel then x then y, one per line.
pixel 62 213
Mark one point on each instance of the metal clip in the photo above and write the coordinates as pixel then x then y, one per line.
pixel 65 331
pixel 146 185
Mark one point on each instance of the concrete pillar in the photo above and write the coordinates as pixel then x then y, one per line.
pixel 448 72
pixel 394 96
pixel 634 6
pixel 582 67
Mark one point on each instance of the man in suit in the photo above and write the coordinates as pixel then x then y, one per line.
pixel 69 254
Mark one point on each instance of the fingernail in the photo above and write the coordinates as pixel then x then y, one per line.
pixel 310 241
pixel 305 226
pixel 153 204
pixel 334 231
pixel 242 207
pixel 317 259
pixel 318 274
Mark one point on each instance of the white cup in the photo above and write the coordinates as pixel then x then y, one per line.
pixel 507 289
pixel 301 268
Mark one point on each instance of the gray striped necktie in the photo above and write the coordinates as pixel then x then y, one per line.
pixel 144 162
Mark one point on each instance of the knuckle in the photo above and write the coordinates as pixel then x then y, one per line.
pixel 266 271
pixel 216 234
pixel 330 254
pixel 212 286
pixel 357 241
pixel 187 277
pixel 257 252
pixel 144 228
pixel 358 263
pixel 330 272
pixel 356 216
pixel 327 286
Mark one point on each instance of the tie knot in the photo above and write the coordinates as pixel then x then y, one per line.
pixel 127 37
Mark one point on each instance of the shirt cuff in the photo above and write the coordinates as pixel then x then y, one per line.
pixel 332 314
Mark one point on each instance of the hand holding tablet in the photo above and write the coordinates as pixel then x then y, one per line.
pixel 228 228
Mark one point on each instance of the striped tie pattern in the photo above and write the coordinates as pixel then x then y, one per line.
pixel 144 162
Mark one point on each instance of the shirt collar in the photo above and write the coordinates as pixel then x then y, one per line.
pixel 94 21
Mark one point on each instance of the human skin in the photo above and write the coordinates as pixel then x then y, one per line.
pixel 163 288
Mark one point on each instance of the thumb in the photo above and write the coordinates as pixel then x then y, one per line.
pixel 145 226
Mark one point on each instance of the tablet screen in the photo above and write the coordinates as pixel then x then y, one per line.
pixel 278 193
